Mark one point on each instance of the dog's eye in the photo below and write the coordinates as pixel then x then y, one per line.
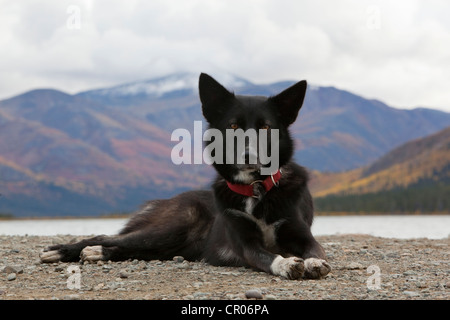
pixel 265 126
pixel 234 126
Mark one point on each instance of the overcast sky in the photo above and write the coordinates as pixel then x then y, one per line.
pixel 397 51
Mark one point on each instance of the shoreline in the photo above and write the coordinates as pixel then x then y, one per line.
pixel 401 227
pixel 407 269
pixel 317 214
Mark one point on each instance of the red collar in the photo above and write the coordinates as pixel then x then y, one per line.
pixel 247 189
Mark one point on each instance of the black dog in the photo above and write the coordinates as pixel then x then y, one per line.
pixel 249 219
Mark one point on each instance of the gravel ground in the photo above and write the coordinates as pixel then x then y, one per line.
pixel 364 268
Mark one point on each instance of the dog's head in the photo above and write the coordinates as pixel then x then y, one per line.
pixel 266 118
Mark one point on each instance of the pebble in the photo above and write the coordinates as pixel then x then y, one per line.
pixel 123 274
pixel 201 295
pixel 183 265
pixel 11 276
pixel 354 266
pixel 421 285
pixel 411 293
pixel 15 269
pixel 409 273
pixel 253 294
pixel 178 259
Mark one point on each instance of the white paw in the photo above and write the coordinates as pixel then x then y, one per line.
pixel 290 268
pixel 316 268
pixel 92 253
pixel 50 256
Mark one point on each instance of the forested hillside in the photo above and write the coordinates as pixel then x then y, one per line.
pixel 414 177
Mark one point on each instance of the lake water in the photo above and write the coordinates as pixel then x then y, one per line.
pixel 402 227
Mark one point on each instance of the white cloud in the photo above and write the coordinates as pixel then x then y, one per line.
pixel 395 51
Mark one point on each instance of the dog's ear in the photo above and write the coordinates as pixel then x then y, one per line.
pixel 213 96
pixel 290 101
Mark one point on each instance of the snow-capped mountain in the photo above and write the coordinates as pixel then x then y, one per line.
pixel 186 82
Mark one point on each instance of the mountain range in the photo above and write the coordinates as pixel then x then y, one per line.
pixel 108 150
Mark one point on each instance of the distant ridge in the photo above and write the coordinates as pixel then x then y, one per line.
pixel 414 177
pixel 185 83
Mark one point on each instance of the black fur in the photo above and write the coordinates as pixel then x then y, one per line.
pixel 221 226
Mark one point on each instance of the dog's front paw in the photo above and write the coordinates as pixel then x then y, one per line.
pixel 55 253
pixel 92 253
pixel 316 268
pixel 290 268
pixel 50 256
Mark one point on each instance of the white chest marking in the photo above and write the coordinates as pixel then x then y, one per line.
pixel 244 176
pixel 250 205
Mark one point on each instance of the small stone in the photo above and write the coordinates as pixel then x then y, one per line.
pixel 19 270
pixel 253 294
pixel 183 265
pixel 421 285
pixel 106 268
pixel 406 254
pixel 411 293
pixel 201 295
pixel 393 255
pixel 271 297
pixel 354 265
pixel 409 273
pixel 9 269
pixel 11 277
pixel 72 297
pixel 178 259
pixel 123 274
